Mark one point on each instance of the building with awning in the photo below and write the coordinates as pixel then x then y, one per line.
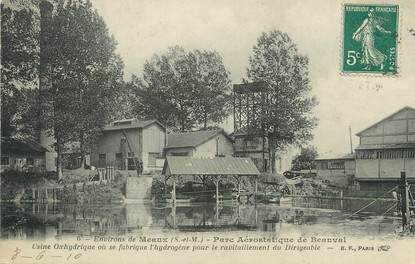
pixel 216 168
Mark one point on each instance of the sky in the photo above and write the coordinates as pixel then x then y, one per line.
pixel 147 27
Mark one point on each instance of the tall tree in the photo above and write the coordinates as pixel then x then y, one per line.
pixel 19 61
pixel 284 72
pixel 212 89
pixel 79 65
pixel 84 71
pixel 305 159
pixel 184 90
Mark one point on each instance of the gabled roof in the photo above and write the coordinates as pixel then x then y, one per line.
pixel 336 156
pixel 21 146
pixel 131 123
pixel 192 139
pixel 386 118
pixel 209 166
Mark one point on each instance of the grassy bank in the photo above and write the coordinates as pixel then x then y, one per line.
pixel 75 188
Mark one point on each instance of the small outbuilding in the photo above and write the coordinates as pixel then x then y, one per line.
pixel 336 168
pixel 209 167
pixel 126 144
pixel 202 144
pixel 22 155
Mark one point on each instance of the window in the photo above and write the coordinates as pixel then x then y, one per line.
pixel 179 154
pixel 386 154
pixel 5 161
pixel 30 161
pixel 248 143
pixel 322 165
pixel 339 165
pixel 102 160
pixel 152 158
pixel 118 156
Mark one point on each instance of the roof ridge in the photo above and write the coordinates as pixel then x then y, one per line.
pixel 407 107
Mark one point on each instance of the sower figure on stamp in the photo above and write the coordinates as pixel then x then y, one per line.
pixel 365 33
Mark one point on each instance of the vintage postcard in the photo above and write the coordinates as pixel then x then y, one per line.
pixel 190 131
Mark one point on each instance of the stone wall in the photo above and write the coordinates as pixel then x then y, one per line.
pixel 138 188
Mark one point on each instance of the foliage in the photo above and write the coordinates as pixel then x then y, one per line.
pixel 84 69
pixel 78 70
pixel 126 99
pixel 284 73
pixel 67 195
pixel 13 182
pixel 19 60
pixel 102 194
pixel 305 159
pixel 157 187
pixel 184 90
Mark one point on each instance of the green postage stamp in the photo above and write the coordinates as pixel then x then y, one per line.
pixel 370 42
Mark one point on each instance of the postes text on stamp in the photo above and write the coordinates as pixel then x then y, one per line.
pixel 370 41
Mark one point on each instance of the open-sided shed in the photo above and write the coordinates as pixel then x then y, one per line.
pixel 209 167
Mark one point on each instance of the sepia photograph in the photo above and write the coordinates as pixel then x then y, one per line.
pixel 190 131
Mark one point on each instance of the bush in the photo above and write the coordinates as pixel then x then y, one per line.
pixel 14 182
pixel 67 195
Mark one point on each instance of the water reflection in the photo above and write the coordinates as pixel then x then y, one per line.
pixel 304 215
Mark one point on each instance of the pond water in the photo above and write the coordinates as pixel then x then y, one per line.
pixel 297 216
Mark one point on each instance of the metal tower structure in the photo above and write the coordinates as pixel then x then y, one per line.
pixel 250 123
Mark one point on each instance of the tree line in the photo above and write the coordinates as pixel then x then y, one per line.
pixel 184 90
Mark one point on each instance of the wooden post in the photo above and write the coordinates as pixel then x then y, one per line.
pixel 173 213
pixel 173 194
pixel 217 189
pixel 204 183
pixel 217 214
pixel 405 201
pixel 239 214
pixel 256 216
pixel 165 185
pixel 256 188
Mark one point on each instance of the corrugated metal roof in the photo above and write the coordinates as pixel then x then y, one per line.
pixel 131 123
pixel 336 156
pixel 386 146
pixel 209 166
pixel 191 139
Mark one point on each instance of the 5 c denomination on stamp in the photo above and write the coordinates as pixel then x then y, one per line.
pixel 370 41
